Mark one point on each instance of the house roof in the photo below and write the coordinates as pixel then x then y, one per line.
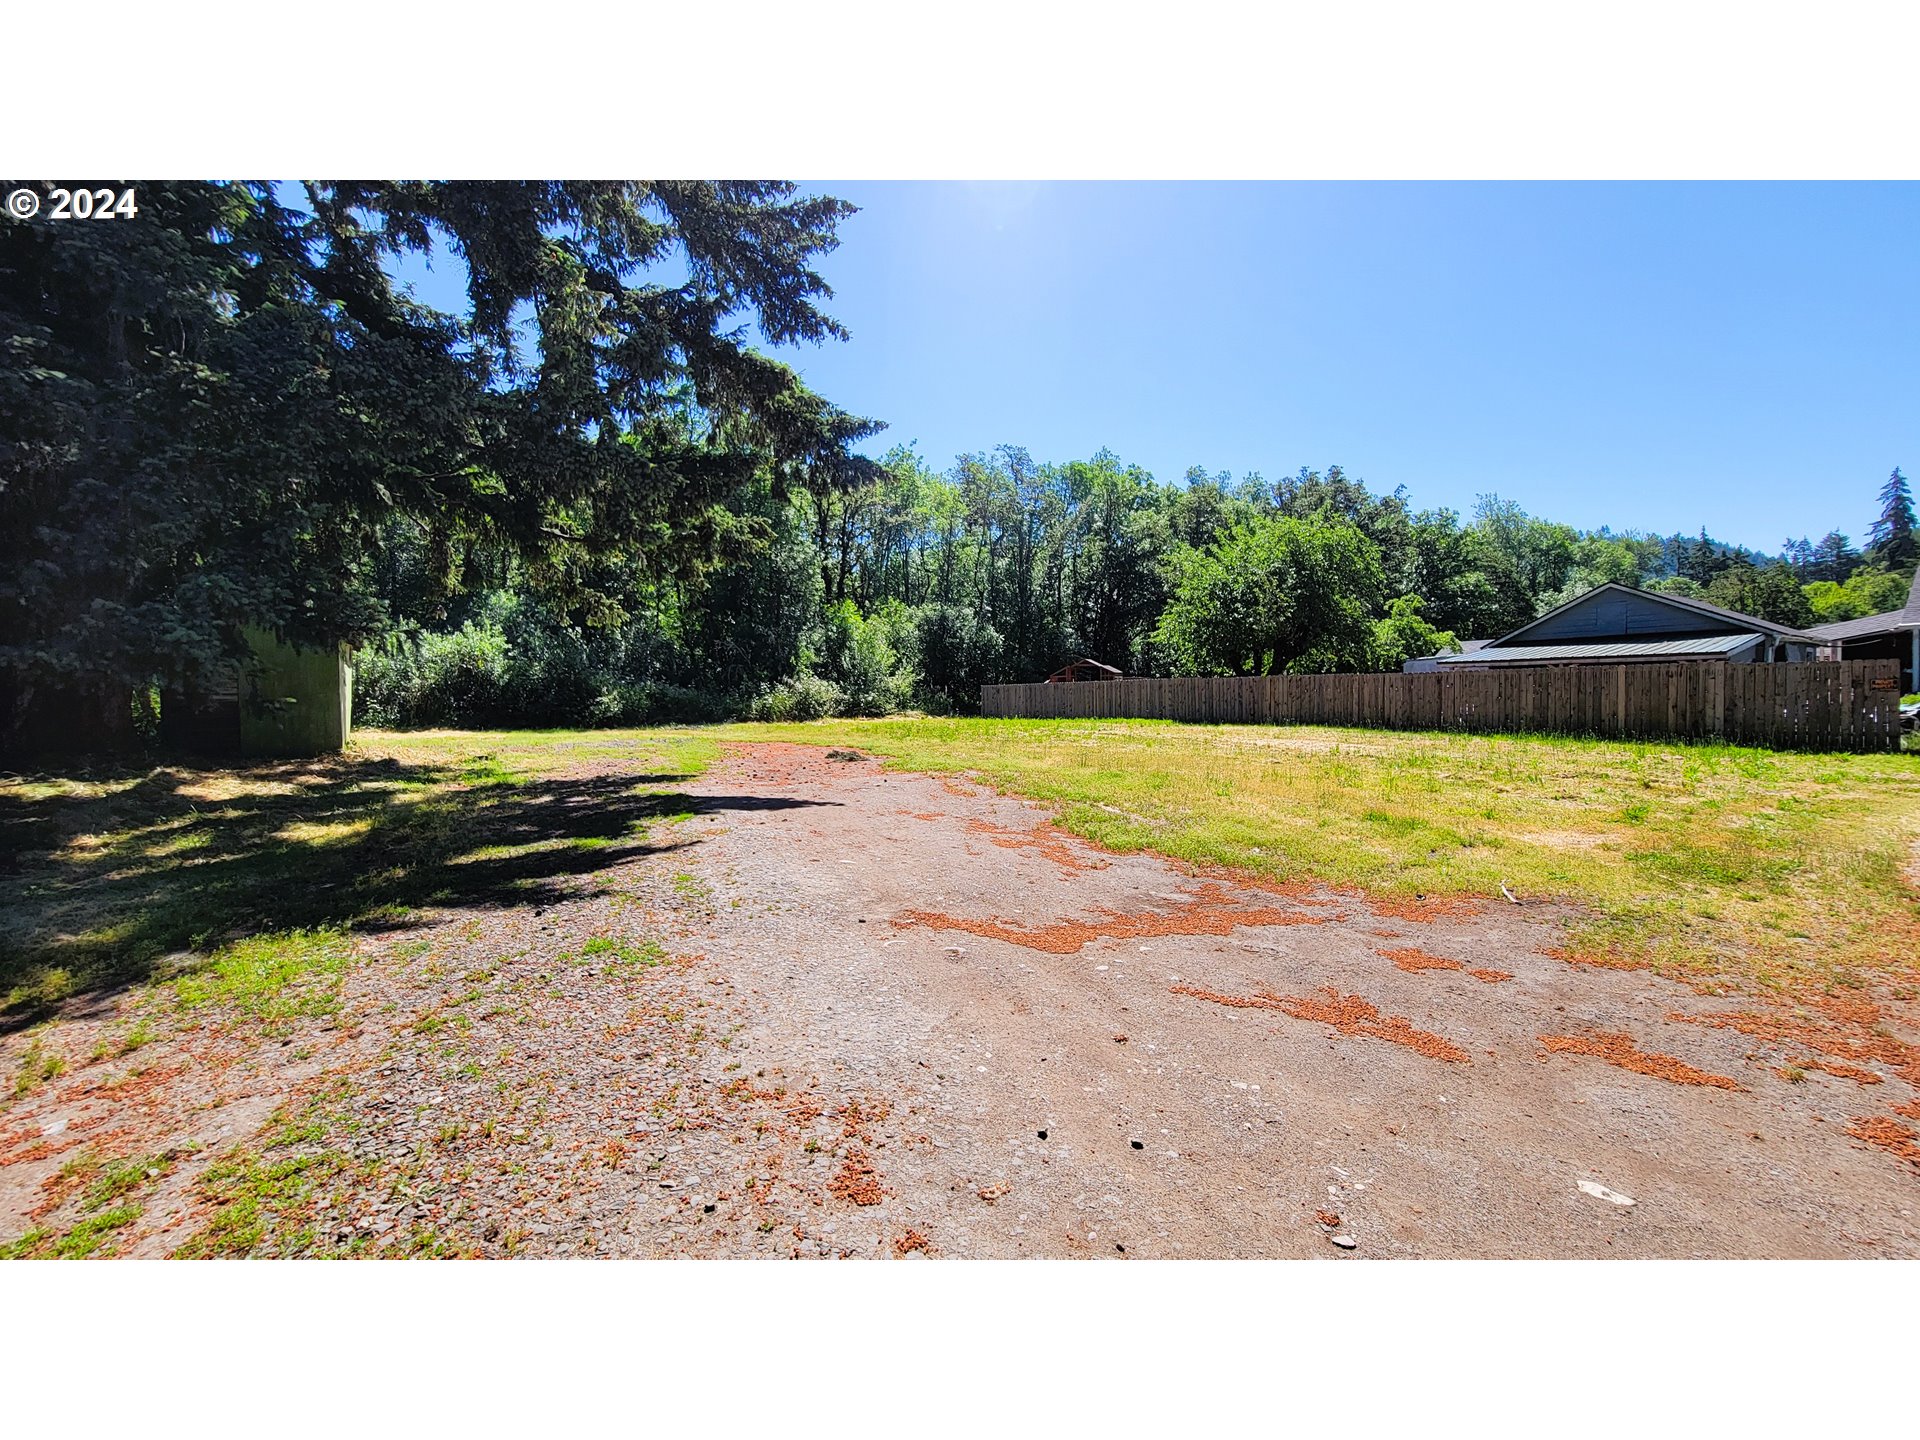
pixel 1594 651
pixel 1680 602
pixel 1882 623
pixel 1072 665
pixel 1906 618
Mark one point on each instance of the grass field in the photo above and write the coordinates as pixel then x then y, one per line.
pixel 1763 869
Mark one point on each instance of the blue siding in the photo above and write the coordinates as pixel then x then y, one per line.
pixel 1621 615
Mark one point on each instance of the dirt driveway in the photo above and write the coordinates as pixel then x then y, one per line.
pixel 847 1012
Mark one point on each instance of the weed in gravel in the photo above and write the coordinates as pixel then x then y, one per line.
pixel 89 1237
pixel 272 978
pixel 268 1201
pixel 37 1066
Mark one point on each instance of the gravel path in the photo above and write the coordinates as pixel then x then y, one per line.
pixel 843 1012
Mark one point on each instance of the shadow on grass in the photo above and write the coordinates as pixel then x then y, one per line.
pixel 102 886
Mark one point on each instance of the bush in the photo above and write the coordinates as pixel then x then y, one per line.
pixel 958 651
pixel 459 678
pixel 654 702
pixel 803 697
pixel 868 657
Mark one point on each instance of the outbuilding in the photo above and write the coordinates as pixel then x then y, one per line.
pixel 1083 669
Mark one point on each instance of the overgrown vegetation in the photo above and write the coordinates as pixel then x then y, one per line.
pixel 578 497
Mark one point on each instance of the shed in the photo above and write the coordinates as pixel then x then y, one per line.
pixel 1614 624
pixel 1893 635
pixel 299 702
pixel 1082 669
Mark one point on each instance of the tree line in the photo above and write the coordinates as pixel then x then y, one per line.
pixel 916 586
pixel 584 497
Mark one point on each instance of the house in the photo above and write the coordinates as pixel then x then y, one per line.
pixel 1894 635
pixel 1082 669
pixel 1616 624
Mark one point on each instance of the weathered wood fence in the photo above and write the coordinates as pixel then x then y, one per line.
pixel 1816 705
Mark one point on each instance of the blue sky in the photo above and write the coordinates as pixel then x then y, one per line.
pixel 1657 356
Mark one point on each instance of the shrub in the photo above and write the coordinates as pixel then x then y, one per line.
pixel 802 697
pixel 867 656
pixel 459 678
pixel 654 702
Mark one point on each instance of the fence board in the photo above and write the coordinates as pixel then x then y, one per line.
pixel 1812 705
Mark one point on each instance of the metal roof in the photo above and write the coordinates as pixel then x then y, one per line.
pixel 1693 647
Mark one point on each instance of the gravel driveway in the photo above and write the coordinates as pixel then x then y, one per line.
pixel 842 1012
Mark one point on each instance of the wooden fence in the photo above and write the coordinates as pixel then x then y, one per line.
pixel 1817 705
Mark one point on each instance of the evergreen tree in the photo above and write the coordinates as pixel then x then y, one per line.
pixel 215 412
pixel 1891 541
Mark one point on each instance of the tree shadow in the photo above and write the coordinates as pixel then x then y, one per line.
pixel 106 881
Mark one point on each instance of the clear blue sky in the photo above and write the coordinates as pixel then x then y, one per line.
pixel 1658 356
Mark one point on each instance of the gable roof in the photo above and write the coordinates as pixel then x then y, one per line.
pixel 1751 623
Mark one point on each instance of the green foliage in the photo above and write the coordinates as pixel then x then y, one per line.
pixel 219 416
pixel 1892 541
pixel 1274 594
pixel 864 656
pixel 458 678
pixel 1403 634
pixel 1869 591
pixel 1770 593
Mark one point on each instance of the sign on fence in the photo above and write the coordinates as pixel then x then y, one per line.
pixel 1813 705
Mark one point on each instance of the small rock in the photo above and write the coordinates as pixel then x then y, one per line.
pixel 1345 1242
pixel 1041 1133
pixel 1138 1144
pixel 1601 1192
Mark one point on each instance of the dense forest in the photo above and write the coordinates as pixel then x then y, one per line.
pixel 592 496
pixel 916 587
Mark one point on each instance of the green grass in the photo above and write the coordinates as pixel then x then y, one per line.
pixel 246 881
pixel 267 1200
pixel 640 955
pixel 37 1066
pixel 106 1188
pixel 273 978
pixel 90 1236
pixel 1760 866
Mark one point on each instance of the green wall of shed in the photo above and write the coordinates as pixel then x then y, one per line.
pixel 309 695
